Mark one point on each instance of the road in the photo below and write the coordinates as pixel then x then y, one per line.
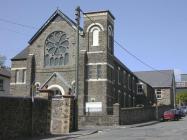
pixel 170 130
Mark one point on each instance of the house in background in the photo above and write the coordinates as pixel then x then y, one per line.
pixel 163 82
pixel 4 81
pixel 184 77
pixel 182 85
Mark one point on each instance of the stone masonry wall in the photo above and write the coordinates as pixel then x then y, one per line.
pixel 63 117
pixel 19 118
pixel 141 114
pixel 100 119
pixel 103 120
pixel 136 115
pixel 124 116
pixel 165 97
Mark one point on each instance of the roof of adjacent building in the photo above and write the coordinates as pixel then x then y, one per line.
pixel 22 55
pixel 161 78
pixel 121 64
pixel 5 72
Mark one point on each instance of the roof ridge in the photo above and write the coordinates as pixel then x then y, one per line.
pixel 155 70
pixel 57 12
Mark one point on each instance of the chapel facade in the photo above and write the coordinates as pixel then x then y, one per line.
pixel 48 62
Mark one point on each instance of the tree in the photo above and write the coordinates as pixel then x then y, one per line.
pixel 2 60
pixel 181 97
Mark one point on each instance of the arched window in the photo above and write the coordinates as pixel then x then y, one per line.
pixel 51 61
pixel 47 60
pixel 61 61
pixel 95 37
pixel 56 61
pixel 110 38
pixel 130 100
pixel 66 59
pixel 125 98
pixel 58 90
pixel 95 30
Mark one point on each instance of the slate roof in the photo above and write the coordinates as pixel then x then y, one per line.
pixel 5 72
pixel 122 65
pixel 161 78
pixel 22 55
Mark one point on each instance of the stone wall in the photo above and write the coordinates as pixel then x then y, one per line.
pixel 136 115
pixel 166 99
pixel 63 115
pixel 103 120
pixel 20 118
pixel 100 119
pixel 141 114
pixel 123 116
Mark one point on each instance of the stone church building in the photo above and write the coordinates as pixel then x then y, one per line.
pixel 48 62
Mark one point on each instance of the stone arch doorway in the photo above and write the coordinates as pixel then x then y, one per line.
pixel 58 90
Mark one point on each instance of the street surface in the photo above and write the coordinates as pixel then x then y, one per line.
pixel 170 130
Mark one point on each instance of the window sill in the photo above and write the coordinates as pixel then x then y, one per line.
pixel 140 93
pixel 95 45
pixel 17 83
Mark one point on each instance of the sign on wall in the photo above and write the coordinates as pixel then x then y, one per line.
pixel 93 106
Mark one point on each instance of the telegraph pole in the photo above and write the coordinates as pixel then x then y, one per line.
pixel 77 18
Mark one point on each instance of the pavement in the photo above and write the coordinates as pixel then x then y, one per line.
pixel 168 130
pixel 89 130
pixel 72 135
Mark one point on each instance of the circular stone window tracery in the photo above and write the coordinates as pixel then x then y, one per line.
pixel 56 49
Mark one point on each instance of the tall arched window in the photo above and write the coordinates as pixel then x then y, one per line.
pixel 95 35
pixel 61 61
pixel 56 62
pixel 51 61
pixel 66 59
pixel 110 38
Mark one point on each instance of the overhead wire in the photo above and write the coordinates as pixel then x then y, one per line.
pixel 116 42
pixel 131 54
pixel 24 26
pixel 126 50
pixel 18 24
